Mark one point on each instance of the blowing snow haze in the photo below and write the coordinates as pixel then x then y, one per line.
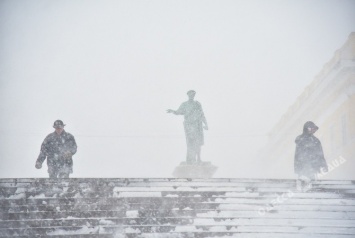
pixel 111 69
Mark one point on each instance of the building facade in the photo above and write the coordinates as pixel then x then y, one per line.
pixel 329 101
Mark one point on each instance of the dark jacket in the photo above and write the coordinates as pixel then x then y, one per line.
pixel 58 149
pixel 309 157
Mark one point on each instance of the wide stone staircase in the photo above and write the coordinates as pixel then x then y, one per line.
pixel 171 208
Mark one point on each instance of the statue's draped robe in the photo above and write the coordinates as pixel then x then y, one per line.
pixel 194 116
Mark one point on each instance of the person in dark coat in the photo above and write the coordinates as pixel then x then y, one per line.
pixel 194 124
pixel 309 157
pixel 58 147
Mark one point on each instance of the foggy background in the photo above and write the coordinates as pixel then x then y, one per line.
pixel 110 69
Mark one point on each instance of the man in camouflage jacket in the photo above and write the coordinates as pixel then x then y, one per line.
pixel 58 147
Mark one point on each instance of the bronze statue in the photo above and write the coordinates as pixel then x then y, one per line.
pixel 194 124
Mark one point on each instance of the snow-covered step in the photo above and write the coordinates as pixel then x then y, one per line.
pixel 230 229
pixel 173 201
pixel 179 213
pixel 149 192
pixel 217 180
pixel 133 234
pixel 165 182
pixel 321 184
pixel 178 221
pixel 303 201
pixel 258 221
pixel 191 206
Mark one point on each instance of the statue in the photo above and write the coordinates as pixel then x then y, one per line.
pixel 194 124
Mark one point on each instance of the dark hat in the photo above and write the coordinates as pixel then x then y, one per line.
pixel 58 124
pixel 309 124
pixel 191 92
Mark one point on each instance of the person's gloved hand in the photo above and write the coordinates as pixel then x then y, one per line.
pixel 38 165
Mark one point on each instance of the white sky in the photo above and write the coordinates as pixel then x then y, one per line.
pixel 110 69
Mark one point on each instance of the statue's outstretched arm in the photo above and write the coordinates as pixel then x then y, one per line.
pixel 179 111
pixel 171 111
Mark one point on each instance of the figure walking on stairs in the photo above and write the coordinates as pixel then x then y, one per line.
pixel 309 157
pixel 58 147
pixel 194 123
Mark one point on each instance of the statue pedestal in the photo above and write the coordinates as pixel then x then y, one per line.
pixel 197 170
